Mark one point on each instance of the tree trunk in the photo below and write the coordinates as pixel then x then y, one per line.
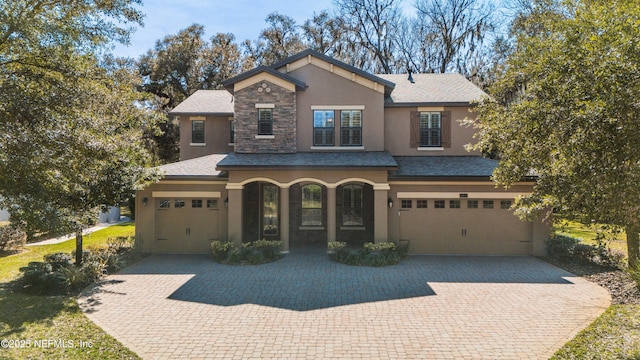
pixel 79 246
pixel 633 244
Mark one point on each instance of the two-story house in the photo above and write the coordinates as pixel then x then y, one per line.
pixel 312 150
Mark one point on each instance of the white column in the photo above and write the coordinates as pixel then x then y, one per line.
pixel 284 220
pixel 381 219
pixel 331 213
pixel 235 213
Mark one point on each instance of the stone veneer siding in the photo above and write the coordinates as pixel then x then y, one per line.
pixel 246 117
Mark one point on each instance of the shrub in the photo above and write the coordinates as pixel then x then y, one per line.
pixel 58 260
pixel 561 247
pixel 257 252
pixel 372 254
pixel 220 250
pixel 59 275
pixel 336 245
pixel 120 244
pixel 567 248
pixel 39 278
pixel 12 238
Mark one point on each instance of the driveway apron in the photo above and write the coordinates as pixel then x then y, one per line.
pixel 307 307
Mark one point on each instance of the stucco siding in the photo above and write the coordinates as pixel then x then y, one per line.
pixel 327 89
pixel 397 133
pixel 216 136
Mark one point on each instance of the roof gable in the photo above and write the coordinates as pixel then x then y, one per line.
pixel 312 57
pixel 261 73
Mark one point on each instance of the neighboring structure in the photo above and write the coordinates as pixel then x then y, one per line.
pixel 314 150
pixel 4 215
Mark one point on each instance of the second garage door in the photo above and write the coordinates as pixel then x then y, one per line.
pixel 464 226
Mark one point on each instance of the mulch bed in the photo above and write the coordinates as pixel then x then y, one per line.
pixel 621 286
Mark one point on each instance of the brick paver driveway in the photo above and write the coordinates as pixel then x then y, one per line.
pixel 307 307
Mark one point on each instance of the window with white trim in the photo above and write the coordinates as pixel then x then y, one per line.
pixel 265 121
pixel 430 129
pixel 351 128
pixel 197 131
pixel 323 127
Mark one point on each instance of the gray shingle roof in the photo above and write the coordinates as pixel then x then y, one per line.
pixel 206 102
pixel 443 166
pixel 204 166
pixel 378 159
pixel 432 88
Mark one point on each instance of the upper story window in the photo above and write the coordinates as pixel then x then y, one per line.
pixel 351 128
pixel 197 131
pixel 311 205
pixel 430 129
pixel 265 121
pixel 323 127
pixel 232 131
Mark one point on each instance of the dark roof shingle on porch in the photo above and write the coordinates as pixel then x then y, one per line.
pixel 443 167
pixel 375 159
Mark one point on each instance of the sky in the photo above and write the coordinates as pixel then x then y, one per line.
pixel 244 18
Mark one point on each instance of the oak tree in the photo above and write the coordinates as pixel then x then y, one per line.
pixel 566 108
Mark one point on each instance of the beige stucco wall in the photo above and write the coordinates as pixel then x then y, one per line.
pixel 397 133
pixel 326 88
pixel 216 137
pixel 488 231
pixel 324 176
pixel 146 215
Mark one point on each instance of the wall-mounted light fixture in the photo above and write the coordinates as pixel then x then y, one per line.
pixel 226 202
pixel 390 202
pixel 145 201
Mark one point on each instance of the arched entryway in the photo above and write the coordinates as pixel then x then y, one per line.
pixel 261 212
pixel 355 213
pixel 308 215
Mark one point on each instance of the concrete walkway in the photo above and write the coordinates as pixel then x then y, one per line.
pixel 86 231
pixel 308 307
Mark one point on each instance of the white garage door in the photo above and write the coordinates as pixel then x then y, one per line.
pixel 479 227
pixel 185 225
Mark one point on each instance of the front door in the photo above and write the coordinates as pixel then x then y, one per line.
pixel 269 212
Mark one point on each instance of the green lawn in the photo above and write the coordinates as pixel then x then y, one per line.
pixel 29 318
pixel 588 234
pixel 614 335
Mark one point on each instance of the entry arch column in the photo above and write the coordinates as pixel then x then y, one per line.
pixel 234 221
pixel 380 213
pixel 284 220
pixel 331 212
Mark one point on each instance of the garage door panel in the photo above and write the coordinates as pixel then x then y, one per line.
pixel 187 229
pixel 465 231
